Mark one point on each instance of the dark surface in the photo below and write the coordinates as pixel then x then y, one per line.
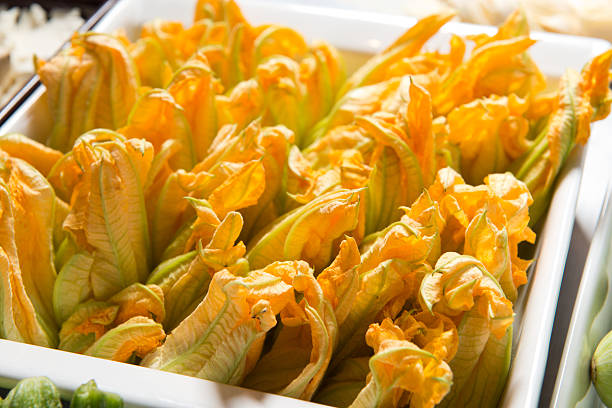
pixel 87 7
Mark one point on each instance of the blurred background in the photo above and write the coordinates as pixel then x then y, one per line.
pixel 592 18
pixel 40 28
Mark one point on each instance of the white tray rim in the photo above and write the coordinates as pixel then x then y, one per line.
pixel 589 321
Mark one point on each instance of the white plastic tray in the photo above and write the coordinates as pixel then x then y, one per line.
pixel 591 320
pixel 349 31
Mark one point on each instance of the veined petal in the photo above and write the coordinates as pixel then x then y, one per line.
pixel 108 216
pixel 399 366
pixel 88 322
pixel 194 88
pixel 41 157
pixel 139 300
pixel 222 339
pixel 136 336
pixel 72 285
pixel 119 88
pixel 481 364
pixel 340 280
pixel 242 189
pixel 405 46
pixel 348 380
pixel 307 232
pixel 299 357
pixel 33 203
pixel 378 287
pixel 156 117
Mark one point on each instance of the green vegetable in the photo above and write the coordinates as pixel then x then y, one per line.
pixel 601 369
pixel 89 396
pixel 35 392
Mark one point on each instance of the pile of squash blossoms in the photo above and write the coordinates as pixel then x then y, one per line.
pixel 221 201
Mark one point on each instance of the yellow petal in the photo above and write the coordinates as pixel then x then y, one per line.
pixel 432 332
pixel 41 157
pixel 339 281
pixel 309 340
pixel 399 366
pixel 118 90
pixel 241 106
pixel 307 232
pixel 194 88
pixel 33 207
pixel 594 82
pixel 154 70
pixel 156 117
pixel 406 45
pixel 242 189
pixel 222 338
pixel 108 216
pixel 88 323
pixel 490 133
pixel 137 336
pixel 418 117
pixel 462 86
pixel 72 78
pixel 139 300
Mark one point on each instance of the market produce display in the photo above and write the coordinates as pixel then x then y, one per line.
pixel 223 201
pixel 40 392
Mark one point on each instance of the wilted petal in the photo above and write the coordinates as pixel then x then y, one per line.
pixel 108 216
pixel 137 336
pixel 222 339
pixel 302 351
pixel 241 106
pixel 119 84
pixel 156 117
pixel 461 283
pixel 400 366
pixel 194 88
pixel 462 86
pixel 417 116
pixel 242 189
pixel 41 157
pixel 349 378
pixel 139 300
pixel 186 285
pixel 375 70
pixel 87 324
pixel 378 287
pixel 490 133
pixel 580 99
pixel 340 281
pixel 307 232
pixel 395 164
